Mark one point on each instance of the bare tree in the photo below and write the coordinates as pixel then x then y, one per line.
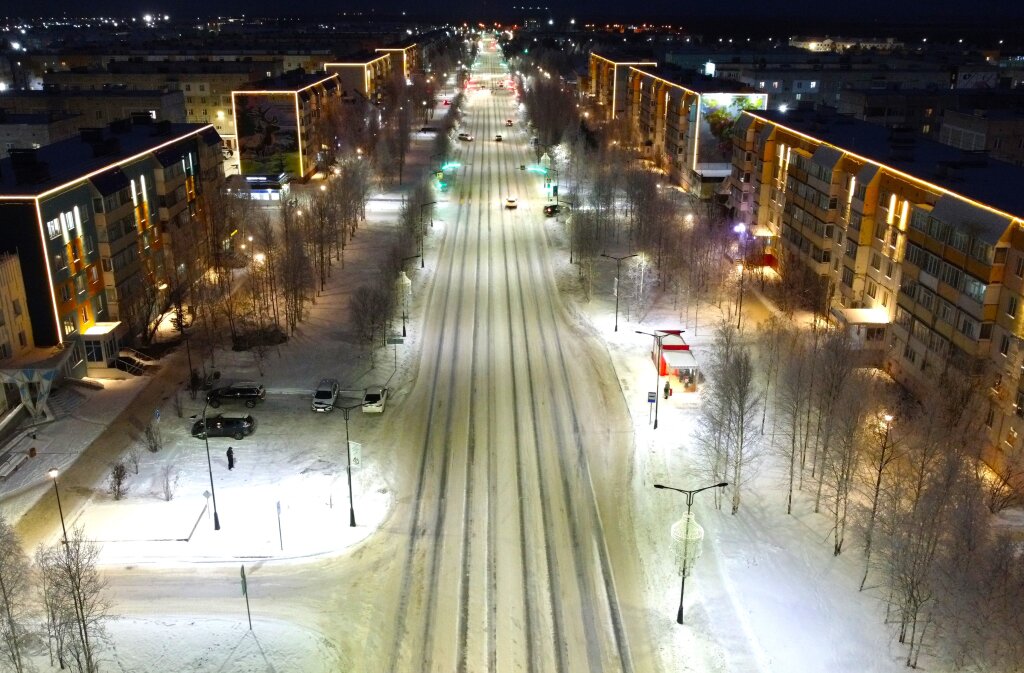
pixel 168 480
pixel 843 461
pixel 882 449
pixel 134 454
pixel 153 436
pixel 117 480
pixel 744 405
pixel 75 595
pixel 369 308
pixel 793 394
pixel 14 591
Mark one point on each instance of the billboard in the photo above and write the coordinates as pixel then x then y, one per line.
pixel 718 115
pixel 268 133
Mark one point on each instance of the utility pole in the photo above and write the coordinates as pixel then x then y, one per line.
pixel 618 266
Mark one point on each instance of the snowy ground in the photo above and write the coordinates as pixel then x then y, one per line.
pixel 767 595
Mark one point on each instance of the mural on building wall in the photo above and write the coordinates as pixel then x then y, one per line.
pixel 268 134
pixel 718 115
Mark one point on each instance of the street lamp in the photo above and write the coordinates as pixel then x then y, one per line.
pixel 209 465
pixel 657 369
pixel 423 231
pixel 741 230
pixel 618 265
pixel 684 538
pixel 53 475
pixel 406 291
pixel 348 468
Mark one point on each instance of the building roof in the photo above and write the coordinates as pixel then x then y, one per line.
pixel 294 80
pixel 75 158
pixel 84 93
pixel 34 118
pixel 993 183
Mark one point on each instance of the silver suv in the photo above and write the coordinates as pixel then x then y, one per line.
pixel 325 395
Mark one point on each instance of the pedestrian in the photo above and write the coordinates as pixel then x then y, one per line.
pixel 231 458
pixel 668 389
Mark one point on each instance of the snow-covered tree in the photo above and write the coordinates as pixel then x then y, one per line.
pixel 15 613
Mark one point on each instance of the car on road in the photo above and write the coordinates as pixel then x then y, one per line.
pixel 511 202
pixel 497 138
pixel 552 209
pixel 220 425
pixel 508 122
pixel 374 400
pixel 325 395
pixel 465 136
pixel 248 392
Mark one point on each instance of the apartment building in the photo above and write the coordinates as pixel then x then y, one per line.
pixel 998 133
pixel 608 75
pixel 409 56
pixel 95 220
pixel 15 327
pixel 205 85
pixel 916 246
pixel 28 130
pixel 98 107
pixel 363 77
pixel 277 122
pixel 922 109
pixel 683 124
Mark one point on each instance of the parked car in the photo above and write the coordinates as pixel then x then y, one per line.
pixel 249 392
pixel 374 400
pixel 220 425
pixel 508 122
pixel 552 209
pixel 465 136
pixel 325 395
pixel 511 202
pixel 497 138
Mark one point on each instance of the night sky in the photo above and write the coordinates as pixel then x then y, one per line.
pixel 731 15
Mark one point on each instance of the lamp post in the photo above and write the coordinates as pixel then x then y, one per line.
pixel 423 231
pixel 618 266
pixel 689 503
pixel 406 291
pixel 348 467
pixel 209 465
pixel 53 475
pixel 741 229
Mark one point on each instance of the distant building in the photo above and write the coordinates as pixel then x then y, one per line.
pixel 684 124
pixel 410 57
pixel 607 80
pixel 276 122
pixel 363 78
pixel 28 130
pixel 913 246
pixel 205 85
pixel 841 44
pixel 998 133
pixel 98 107
pixel 102 223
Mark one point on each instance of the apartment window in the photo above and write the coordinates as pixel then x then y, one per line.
pixel 847 276
pixel 80 284
pixel 910 354
pixel 107 266
pixel 16 306
pixel 68 323
pixel 876 261
pixel 60 261
pixel 1018 409
pixel 5 348
pixel 1020 267
pixel 53 228
pixel 814 85
pixel 85 314
pixel 872 289
pixel 65 292
pixel 1011 306
pixel 1004 345
pixel 989 417
pixel 885 299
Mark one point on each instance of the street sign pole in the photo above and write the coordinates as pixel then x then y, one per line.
pixel 280 535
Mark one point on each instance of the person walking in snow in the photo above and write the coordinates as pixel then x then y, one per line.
pixel 231 458
pixel 668 389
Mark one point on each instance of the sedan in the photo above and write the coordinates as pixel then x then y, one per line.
pixel 511 202
pixel 374 400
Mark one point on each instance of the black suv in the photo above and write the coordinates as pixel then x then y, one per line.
pixel 243 391
pixel 551 209
pixel 224 426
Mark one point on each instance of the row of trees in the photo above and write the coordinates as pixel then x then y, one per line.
pixel 57 597
pixel 905 476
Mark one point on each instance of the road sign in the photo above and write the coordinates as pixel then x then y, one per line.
pixel 652 398
pixel 395 341
pixel 356 451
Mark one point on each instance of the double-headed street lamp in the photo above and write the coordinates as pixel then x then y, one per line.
pixel 618 266
pixel 53 473
pixel 684 536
